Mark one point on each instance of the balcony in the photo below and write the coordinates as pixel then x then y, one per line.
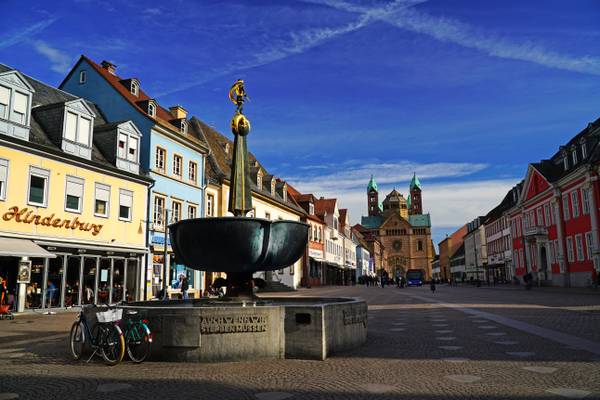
pixel 535 231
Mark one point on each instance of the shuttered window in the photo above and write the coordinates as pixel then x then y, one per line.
pixel 4 100
pixel 85 128
pixel 102 200
pixel 20 108
pixel 74 194
pixel 3 178
pixel 71 127
pixel 125 204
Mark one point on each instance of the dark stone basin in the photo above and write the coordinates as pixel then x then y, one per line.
pixel 238 244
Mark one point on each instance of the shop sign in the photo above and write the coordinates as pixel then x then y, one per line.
pixel 316 254
pixel 24 275
pixel 27 216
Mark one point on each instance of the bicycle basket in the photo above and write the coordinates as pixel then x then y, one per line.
pixel 110 315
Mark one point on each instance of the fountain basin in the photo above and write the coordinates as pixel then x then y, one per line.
pixel 238 244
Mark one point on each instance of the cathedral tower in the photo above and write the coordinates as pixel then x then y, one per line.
pixel 416 204
pixel 373 198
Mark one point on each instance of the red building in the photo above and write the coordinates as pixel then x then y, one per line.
pixel 554 224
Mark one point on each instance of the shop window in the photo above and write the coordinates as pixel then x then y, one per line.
pixel 73 194
pixel 125 204
pixel 177 163
pixel 38 187
pixel 192 211
pixel 175 211
pixel 3 178
pixel 102 200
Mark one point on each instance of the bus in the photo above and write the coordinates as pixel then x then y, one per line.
pixel 415 277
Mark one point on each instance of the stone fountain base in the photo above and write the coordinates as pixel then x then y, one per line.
pixel 213 331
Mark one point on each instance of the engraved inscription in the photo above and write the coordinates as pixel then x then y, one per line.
pixel 355 316
pixel 233 324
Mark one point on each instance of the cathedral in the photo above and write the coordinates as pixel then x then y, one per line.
pixel 401 228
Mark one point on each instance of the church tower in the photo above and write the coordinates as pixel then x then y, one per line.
pixel 416 204
pixel 373 198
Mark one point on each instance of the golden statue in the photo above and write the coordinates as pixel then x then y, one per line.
pixel 240 194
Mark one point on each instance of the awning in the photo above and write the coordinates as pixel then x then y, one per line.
pixel 22 248
pixel 92 247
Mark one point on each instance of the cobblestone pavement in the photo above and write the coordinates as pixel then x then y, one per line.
pixel 459 343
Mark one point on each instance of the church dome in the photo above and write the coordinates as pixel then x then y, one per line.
pixel 394 201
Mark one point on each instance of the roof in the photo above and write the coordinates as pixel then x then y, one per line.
pixel 372 184
pixel 47 116
pixel 218 167
pixel 372 222
pixel 325 206
pixel 163 116
pixel 419 220
pixel 506 203
pixel 414 183
pixel 343 214
pixel 460 252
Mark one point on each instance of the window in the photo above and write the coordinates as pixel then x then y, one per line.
pixel 133 149
pixel 570 249
pixel 4 101
pixel 267 215
pixel 552 252
pixel 38 186
pixel 102 200
pixel 82 76
pixel 193 172
pixel 574 156
pixel 20 108
pixel 259 181
pixel 134 88
pixel 565 201
pixel 151 109
pixel 73 194
pixel 521 258
pixel 184 126
pixel 3 178
pixel 125 204
pixel 192 211
pixel 122 146
pixel 311 209
pixel 175 211
pixel 588 243
pixel 84 131
pixel 159 211
pixel 586 201
pixel 284 192
pixel 159 161
pixel 547 214
pixel 210 204
pixel 77 129
pixel 566 162
pixel 575 203
pixel 579 243
pixel 583 151
pixel 177 163
pixel 540 218
pixel 420 245
pixel 71 127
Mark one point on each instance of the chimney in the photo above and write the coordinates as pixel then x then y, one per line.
pixel 110 67
pixel 178 112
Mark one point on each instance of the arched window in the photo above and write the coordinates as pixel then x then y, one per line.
pixel 151 110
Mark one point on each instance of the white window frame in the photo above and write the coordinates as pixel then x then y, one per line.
pixel 4 168
pixel 575 203
pixel 176 216
pixel 585 194
pixel 127 193
pixel 135 88
pixel 6 111
pixel 193 177
pixel 183 126
pixel 40 173
pixel 259 181
pixel 180 169
pixel 102 187
pixel 547 214
pixel 82 76
pixel 75 180
pixel 151 109
pixel 570 255
pixel 540 217
pixel 574 156
pixel 583 151
pixel 579 247
pixel 566 162
pixel 189 213
pixel 210 205
pixel 158 216
pixel 163 159
pixel 565 207
pixel 589 237
pixel 27 110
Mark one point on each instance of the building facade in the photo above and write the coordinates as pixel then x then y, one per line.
pixel 169 152
pixel 476 250
pixel 499 240
pixel 402 228
pixel 72 205
pixel 447 248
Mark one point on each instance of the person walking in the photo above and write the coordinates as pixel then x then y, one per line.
pixel 432 285
pixel 184 287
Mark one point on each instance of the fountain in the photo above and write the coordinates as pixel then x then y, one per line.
pixel 243 326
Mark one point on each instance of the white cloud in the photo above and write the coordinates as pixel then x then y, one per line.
pixel 16 37
pixel 59 61
pixel 454 31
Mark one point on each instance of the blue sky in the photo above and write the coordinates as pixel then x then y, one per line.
pixel 465 93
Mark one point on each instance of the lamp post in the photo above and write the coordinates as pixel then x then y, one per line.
pixel 165 255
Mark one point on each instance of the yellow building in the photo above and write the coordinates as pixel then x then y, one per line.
pixel 270 199
pixel 73 224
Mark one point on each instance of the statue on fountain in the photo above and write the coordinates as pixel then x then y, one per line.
pixel 240 194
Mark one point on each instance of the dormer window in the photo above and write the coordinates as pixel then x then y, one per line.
pixel 273 187
pixel 259 180
pixel 583 151
pixel 82 76
pixel 135 88
pixel 151 109
pixel 120 145
pixel 566 162
pixel 574 156
pixel 284 192
pixel 15 104
pixel 311 209
pixel 183 126
pixel 127 148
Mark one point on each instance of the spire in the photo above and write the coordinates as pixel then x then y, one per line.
pixel 415 182
pixel 372 184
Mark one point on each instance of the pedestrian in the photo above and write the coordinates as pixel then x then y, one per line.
pixel 432 286
pixel 3 292
pixel 184 287
pixel 51 293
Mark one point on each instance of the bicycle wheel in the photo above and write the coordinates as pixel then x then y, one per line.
pixel 77 340
pixel 112 345
pixel 138 342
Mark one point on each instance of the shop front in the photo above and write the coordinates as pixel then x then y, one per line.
pixel 315 267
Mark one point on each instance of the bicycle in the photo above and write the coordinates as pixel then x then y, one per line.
pixel 106 337
pixel 138 339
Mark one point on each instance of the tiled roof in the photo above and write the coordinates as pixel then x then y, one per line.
pixel 460 252
pixel 219 162
pixel 371 222
pixel 323 206
pixel 163 116
pixel 419 220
